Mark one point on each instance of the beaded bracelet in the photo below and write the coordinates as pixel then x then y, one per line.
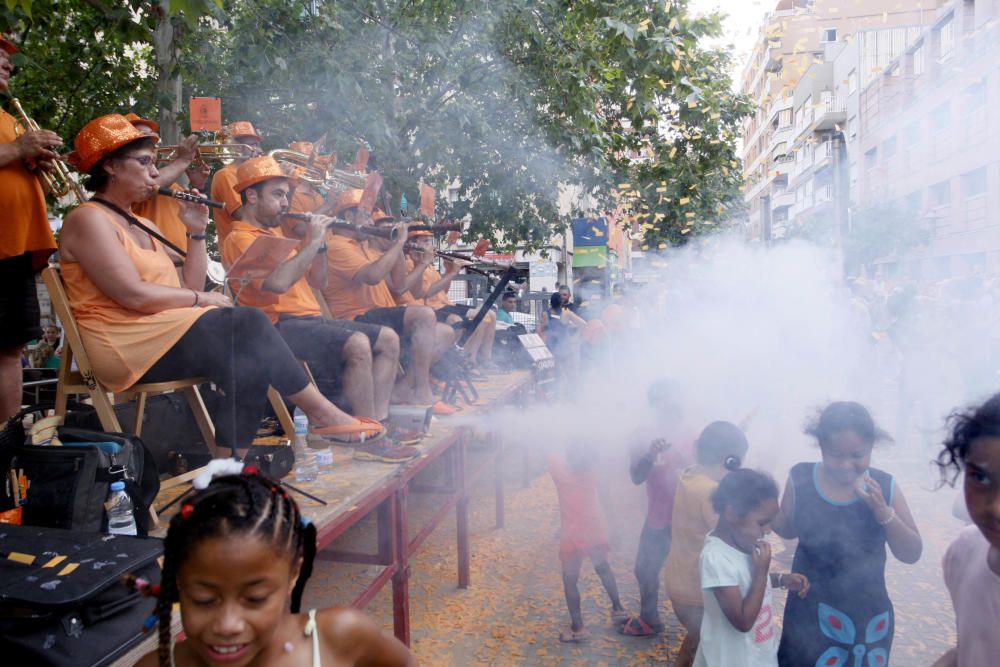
pixel 892 515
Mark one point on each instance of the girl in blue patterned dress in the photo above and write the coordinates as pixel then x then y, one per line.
pixel 843 513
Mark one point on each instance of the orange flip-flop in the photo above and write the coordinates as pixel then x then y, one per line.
pixel 363 430
pixel 442 409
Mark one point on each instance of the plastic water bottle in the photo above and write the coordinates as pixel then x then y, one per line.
pixel 121 519
pixel 306 469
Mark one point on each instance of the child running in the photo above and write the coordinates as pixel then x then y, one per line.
pixel 581 535
pixel 738 627
pixel 657 467
pixel 719 449
pixel 972 562
pixel 237 557
pixel 844 513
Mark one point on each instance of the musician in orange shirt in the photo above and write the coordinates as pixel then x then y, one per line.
pixel 340 354
pixel 165 211
pixel 432 290
pixel 357 289
pixel 25 237
pixel 224 180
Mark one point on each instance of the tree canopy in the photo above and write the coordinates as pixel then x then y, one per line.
pixel 500 101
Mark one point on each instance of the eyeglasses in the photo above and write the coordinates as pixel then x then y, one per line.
pixel 145 160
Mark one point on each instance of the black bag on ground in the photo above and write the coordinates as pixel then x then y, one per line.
pixel 81 618
pixel 508 352
pixel 169 431
pixel 68 485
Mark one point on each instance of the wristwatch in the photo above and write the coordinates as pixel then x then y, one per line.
pixel 196 237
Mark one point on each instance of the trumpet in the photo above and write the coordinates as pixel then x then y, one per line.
pixel 221 153
pixel 310 171
pixel 59 182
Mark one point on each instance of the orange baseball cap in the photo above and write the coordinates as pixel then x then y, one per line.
pixel 139 120
pixel 7 45
pixel 100 137
pixel 242 128
pixel 348 199
pixel 256 170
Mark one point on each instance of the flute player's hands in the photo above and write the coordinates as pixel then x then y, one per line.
pixel 193 215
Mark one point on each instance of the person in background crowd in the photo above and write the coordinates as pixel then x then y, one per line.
pixel 972 562
pixel 843 513
pixel 26 239
pixel 508 306
pixel 46 353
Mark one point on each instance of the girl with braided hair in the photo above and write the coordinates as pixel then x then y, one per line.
pixel 237 557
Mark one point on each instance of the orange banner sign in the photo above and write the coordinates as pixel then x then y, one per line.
pixel 206 114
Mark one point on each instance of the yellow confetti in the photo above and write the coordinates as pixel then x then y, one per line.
pixel 662 246
pixel 684 200
pixel 55 561
pixel 24 559
pixel 673 152
pixel 685 230
pixel 68 569
pixel 673 24
pixel 676 65
pixel 662 188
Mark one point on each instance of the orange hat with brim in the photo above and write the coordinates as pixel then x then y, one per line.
pixel 242 128
pixel 418 233
pixel 380 216
pixel 100 137
pixel 7 45
pixel 256 170
pixel 348 199
pixel 139 120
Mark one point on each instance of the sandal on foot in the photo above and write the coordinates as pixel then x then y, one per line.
pixel 571 635
pixel 385 451
pixel 442 409
pixel 362 430
pixel 634 626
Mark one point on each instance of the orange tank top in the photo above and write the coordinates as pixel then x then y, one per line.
pixel 122 343
pixel 26 224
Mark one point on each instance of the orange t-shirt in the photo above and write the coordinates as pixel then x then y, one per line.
pixel 123 344
pixel 222 190
pixel 165 212
pixel 298 301
pixel 346 298
pixel 581 524
pixel 22 199
pixel 439 300
pixel 305 202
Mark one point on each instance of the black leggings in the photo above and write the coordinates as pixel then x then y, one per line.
pixel 240 351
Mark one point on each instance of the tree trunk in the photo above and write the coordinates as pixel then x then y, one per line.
pixel 168 77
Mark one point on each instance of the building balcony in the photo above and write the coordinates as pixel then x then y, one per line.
pixel 783 200
pixel 773 59
pixel 832 111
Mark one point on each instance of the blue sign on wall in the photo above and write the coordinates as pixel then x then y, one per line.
pixel 592 232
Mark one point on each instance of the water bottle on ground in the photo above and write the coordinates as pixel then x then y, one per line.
pixel 306 469
pixel 121 518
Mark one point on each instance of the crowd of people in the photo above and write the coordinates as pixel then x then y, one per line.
pixel 707 525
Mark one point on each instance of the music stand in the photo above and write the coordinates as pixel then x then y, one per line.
pixel 258 261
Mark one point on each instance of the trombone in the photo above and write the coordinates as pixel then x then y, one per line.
pixel 59 182
pixel 310 170
pixel 221 153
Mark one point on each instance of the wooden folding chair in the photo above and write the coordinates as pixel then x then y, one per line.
pixel 84 381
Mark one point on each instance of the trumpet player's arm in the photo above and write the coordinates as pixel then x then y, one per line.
pixel 292 270
pixel 186 151
pixel 318 276
pixel 32 145
pixel 414 280
pixel 381 268
pixel 89 239
pixel 443 283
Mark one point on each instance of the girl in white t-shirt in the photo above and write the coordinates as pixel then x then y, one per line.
pixel 738 629
pixel 972 562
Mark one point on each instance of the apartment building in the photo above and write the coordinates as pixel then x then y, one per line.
pixel 929 142
pixel 802 96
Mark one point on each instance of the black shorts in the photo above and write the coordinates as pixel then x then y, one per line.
pixel 444 312
pixel 320 343
pixel 20 316
pixel 386 317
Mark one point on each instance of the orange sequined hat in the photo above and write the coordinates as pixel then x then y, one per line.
pixel 380 216
pixel 348 199
pixel 7 45
pixel 258 169
pixel 100 137
pixel 418 233
pixel 139 120
pixel 242 128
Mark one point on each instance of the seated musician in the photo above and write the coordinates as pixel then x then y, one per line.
pixel 357 289
pixel 360 359
pixel 431 289
pixel 165 211
pixel 142 322
pixel 239 132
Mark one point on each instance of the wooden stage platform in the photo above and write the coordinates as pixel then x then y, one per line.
pixel 355 490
